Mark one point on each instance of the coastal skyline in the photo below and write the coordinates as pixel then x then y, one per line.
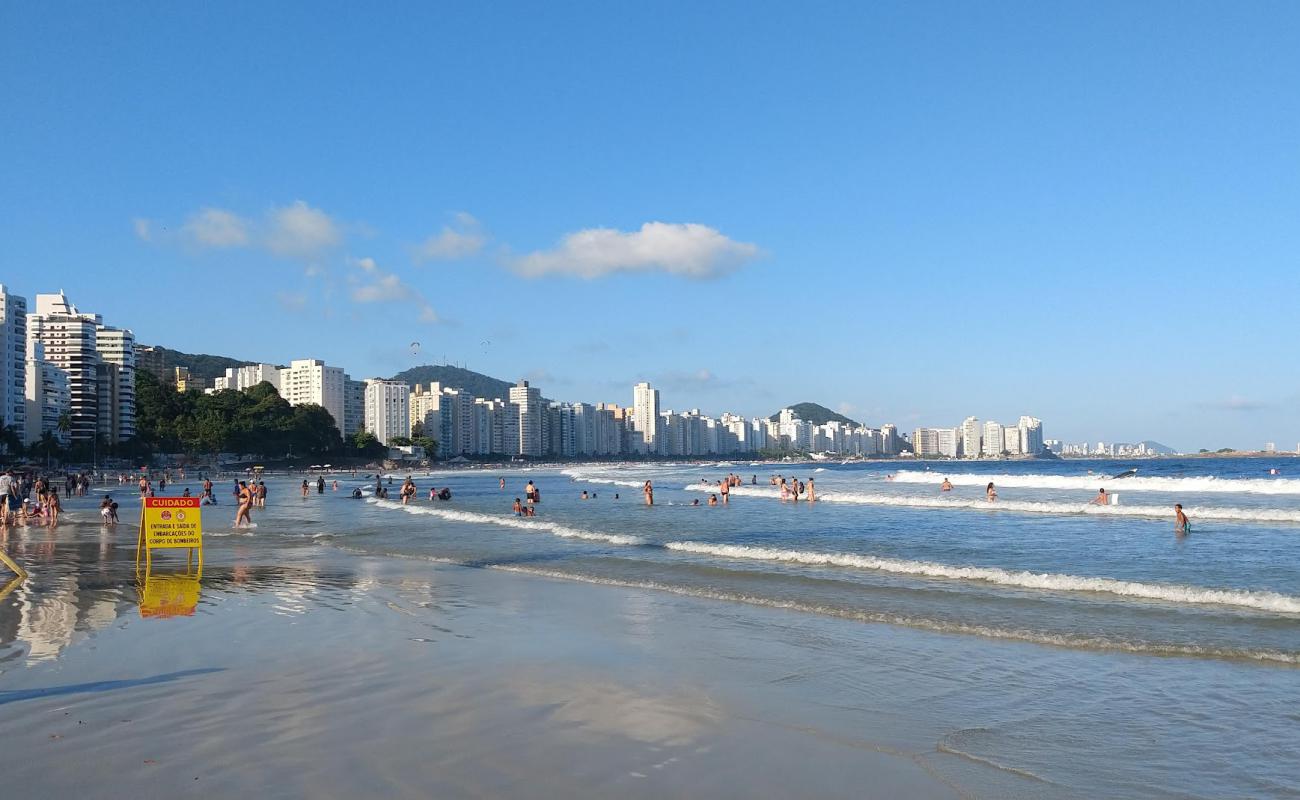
pixel 908 215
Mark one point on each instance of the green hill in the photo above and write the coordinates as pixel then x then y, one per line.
pixel 202 366
pixel 816 414
pixel 476 383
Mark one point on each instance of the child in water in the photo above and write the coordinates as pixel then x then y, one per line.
pixel 519 508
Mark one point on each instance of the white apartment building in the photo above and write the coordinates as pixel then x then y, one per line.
pixel 48 396
pixel 993 440
pixel 948 441
pixel 116 383
pixel 889 444
pixel 1031 435
pixel 13 361
pixel 1011 440
pixel 69 339
pixel 527 401
pixel 388 412
pixel 308 380
pixel 645 416
pixel 248 376
pixel 970 438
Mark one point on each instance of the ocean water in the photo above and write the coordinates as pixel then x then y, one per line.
pixel 1087 648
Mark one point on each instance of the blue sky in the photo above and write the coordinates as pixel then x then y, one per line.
pixel 1089 212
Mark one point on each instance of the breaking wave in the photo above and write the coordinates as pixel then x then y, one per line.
pixel 521 523
pixel 1090 483
pixel 1225 513
pixel 935 625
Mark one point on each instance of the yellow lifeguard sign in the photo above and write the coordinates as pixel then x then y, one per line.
pixel 170 523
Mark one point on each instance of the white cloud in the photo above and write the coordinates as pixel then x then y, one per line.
pixel 300 230
pixel 143 228
pixel 216 227
pixel 690 250
pixel 379 286
pixel 462 239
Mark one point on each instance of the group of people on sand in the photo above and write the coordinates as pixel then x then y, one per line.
pixel 16 508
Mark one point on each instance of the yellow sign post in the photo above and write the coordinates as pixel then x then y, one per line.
pixel 170 523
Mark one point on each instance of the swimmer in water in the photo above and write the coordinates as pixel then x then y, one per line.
pixel 1101 499
pixel 946 486
pixel 518 508
pixel 990 494
pixel 649 491
pixel 1182 525
pixel 713 499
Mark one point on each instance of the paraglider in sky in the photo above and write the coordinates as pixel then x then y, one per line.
pixel 415 348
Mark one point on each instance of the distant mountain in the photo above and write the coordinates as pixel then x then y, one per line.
pixel 164 361
pixel 816 414
pixel 476 383
pixel 1159 448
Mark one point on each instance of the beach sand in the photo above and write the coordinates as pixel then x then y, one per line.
pixel 327 675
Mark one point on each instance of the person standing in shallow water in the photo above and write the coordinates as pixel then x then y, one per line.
pixel 990 494
pixel 649 490
pixel 1182 525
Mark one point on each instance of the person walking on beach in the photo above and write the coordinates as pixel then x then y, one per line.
pixel 1101 499
pixel 243 514
pixel 990 494
pixel 649 491
pixel 1182 525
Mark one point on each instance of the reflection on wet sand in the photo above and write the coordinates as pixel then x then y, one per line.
pixel 82 578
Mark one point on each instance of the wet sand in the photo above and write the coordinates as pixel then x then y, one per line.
pixel 332 676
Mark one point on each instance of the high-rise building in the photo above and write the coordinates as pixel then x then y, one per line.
pixel 308 380
pixel 948 440
pixel 993 440
pixel 116 379
pixel 69 339
pixel 925 442
pixel 150 359
pixel 388 413
pixel 645 416
pixel 354 405
pixel 1031 435
pixel 970 438
pixel 1011 440
pixel 527 401
pixel 13 361
pixel 246 377
pixel 48 396
pixel 889 444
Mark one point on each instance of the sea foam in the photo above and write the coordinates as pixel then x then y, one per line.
pixel 1029 506
pixel 1090 483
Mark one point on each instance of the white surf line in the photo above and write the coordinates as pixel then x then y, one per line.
pixel 521 523
pixel 1272 602
pixel 1028 506
pixel 921 623
pixel 1020 579
pixel 1091 483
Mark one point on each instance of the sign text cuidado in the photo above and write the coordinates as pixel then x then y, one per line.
pixel 171 522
